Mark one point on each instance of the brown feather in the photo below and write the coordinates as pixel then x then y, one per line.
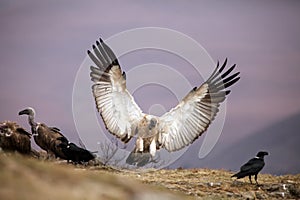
pixel 48 139
pixel 14 138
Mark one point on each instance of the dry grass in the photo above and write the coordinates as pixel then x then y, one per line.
pixel 28 178
pixel 216 184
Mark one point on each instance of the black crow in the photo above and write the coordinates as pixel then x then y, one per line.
pixel 75 153
pixel 252 167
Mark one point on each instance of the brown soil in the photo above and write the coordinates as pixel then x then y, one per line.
pixel 29 178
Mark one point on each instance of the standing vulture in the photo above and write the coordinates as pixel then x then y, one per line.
pixel 252 167
pixel 14 138
pixel 172 131
pixel 48 138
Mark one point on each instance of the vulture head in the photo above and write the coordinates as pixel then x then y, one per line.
pixel 28 111
pixel 14 138
pixel 5 129
pixel 8 128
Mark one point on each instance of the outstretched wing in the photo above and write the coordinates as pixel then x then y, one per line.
pixel 117 107
pixel 192 116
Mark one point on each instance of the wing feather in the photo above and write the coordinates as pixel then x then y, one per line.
pixel 193 115
pixel 115 104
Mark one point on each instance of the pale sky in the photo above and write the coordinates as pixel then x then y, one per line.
pixel 43 44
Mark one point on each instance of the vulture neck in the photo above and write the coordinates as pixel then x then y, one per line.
pixel 32 123
pixel 31 120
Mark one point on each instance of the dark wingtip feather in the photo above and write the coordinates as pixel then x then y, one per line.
pixel 97 43
pixel 223 66
pixel 238 73
pixel 88 51
pixel 230 83
pixel 228 71
pixel 94 47
pixel 101 40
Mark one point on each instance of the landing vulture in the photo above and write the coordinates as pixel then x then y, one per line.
pixel 252 167
pixel 172 131
pixel 14 138
pixel 48 138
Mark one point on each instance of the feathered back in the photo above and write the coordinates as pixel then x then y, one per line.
pixel 14 138
pixel 49 138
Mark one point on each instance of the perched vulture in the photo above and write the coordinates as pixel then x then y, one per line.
pixel 14 138
pixel 76 154
pixel 252 167
pixel 172 131
pixel 48 138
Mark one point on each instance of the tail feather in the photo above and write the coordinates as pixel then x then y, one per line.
pixel 239 175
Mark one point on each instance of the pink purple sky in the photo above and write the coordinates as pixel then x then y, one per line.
pixel 43 44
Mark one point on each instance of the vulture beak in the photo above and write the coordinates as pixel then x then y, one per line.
pixel 24 112
pixel 8 134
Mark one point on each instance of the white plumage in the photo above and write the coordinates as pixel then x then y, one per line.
pixel 175 129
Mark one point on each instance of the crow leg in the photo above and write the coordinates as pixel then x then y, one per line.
pixel 250 179
pixel 255 177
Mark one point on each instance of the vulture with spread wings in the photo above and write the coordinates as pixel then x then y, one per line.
pixel 175 129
